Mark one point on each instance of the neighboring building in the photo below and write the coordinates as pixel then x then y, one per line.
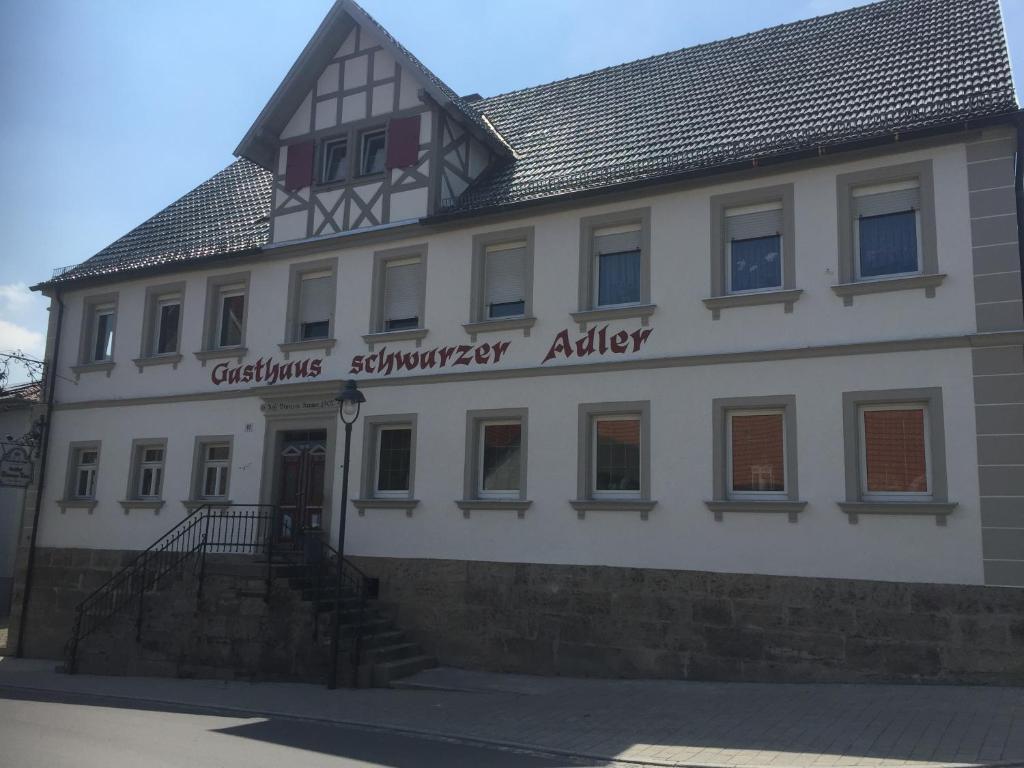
pixel 695 366
pixel 16 463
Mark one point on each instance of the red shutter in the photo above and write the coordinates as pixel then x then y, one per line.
pixel 299 172
pixel 403 141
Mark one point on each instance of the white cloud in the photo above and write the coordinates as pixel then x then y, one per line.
pixel 23 319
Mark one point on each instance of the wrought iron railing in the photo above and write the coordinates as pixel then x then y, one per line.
pixel 226 530
pixel 210 529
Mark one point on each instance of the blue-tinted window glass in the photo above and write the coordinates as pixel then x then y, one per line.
pixel 888 244
pixel 618 280
pixel 508 309
pixel 756 263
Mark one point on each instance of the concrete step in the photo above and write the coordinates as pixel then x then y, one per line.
pixel 384 673
pixel 386 653
pixel 382 639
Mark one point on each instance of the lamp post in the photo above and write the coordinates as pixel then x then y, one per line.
pixel 349 400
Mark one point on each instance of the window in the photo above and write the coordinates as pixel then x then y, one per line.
pixel 616 444
pixel 371 152
pixel 147 474
pixel 335 161
pixel 231 316
pixel 754 456
pixel 500 459
pixel 399 291
pixel 754 241
pixel 85 464
pixel 316 305
pixel 756 445
pixel 504 280
pixel 168 324
pixel 215 470
pixel 103 333
pixel 495 455
pixel 389 467
pixel 615 264
pixel 501 294
pixel 887 231
pixel 895 450
pixel 886 226
pixel 227 298
pixel 394 461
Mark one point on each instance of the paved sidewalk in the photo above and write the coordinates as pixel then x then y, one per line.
pixel 644 722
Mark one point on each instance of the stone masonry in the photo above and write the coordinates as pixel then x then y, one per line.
pixel 640 623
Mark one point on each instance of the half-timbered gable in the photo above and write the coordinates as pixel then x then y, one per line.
pixel 361 134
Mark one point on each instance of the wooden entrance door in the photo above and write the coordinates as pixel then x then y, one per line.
pixel 301 473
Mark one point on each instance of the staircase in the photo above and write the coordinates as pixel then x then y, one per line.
pixel 221 595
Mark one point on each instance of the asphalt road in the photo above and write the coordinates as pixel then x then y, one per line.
pixel 54 730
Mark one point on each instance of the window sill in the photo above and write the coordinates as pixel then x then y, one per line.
pixel 643 506
pixel 142 362
pixel 154 504
pixel 642 311
pixel 519 506
pixel 504 324
pixel 66 504
pixel 221 354
pixel 364 504
pixel 753 299
pixel 927 282
pixel 288 347
pixel 106 366
pixel 940 509
pixel 791 509
pixel 191 505
pixel 382 337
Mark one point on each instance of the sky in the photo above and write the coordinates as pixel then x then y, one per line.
pixel 112 109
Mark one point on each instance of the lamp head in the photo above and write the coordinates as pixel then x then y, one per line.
pixel 349 400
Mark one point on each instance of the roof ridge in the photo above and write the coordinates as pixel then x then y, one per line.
pixel 482 103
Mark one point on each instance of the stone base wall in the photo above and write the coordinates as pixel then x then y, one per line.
pixel 627 622
pixel 231 632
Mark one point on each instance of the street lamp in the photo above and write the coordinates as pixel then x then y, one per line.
pixel 349 400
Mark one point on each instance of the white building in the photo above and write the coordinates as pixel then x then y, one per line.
pixel 742 311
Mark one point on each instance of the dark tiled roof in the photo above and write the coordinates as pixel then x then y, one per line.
pixel 894 66
pixel 32 392
pixel 227 213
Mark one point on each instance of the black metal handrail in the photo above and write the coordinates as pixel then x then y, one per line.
pixel 215 529
pixel 322 559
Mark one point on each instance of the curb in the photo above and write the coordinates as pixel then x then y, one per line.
pixel 511 746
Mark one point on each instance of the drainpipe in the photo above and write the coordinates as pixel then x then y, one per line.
pixel 51 369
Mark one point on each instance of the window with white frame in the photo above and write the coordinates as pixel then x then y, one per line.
pixel 756 454
pixel 102 336
pixel 335 161
pixel 618 265
pixel 315 305
pixel 887 229
pixel 149 471
pixel 393 464
pixel 895 461
pixel 166 324
pixel 504 280
pixel 371 152
pixel 230 315
pixel 402 294
pixel 754 245
pixel 84 467
pixel 499 472
pixel 615 446
pixel 214 470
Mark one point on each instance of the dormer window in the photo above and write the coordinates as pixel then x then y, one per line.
pixel 335 157
pixel 371 152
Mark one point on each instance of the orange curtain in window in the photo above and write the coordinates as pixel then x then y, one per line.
pixel 894 451
pixel 758 462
